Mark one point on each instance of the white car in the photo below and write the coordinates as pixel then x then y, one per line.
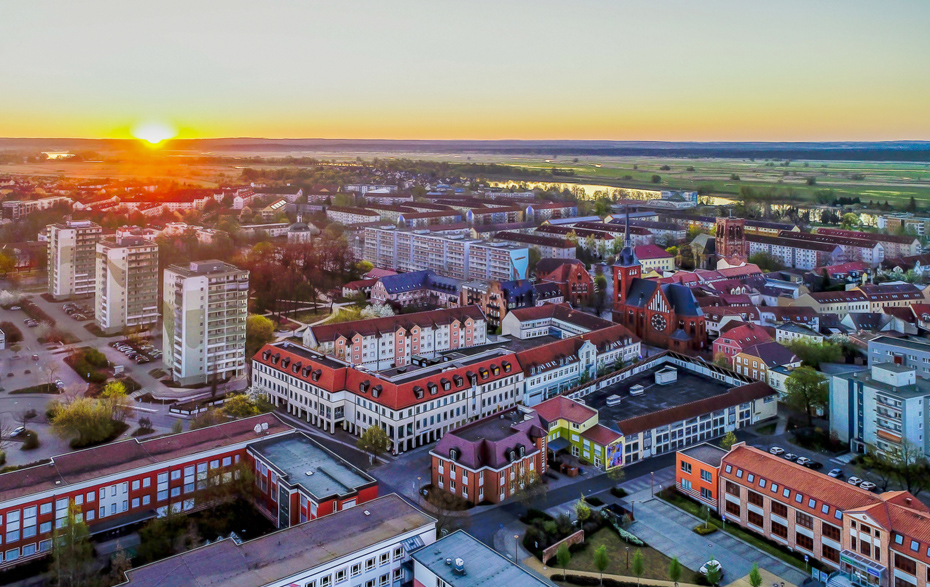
pixel 835 473
pixel 854 481
pixel 867 485
pixel 712 563
pixel 803 460
pixel 777 450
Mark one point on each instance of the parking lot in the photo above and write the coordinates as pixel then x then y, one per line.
pixel 837 467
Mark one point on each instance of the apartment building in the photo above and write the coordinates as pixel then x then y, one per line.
pixel 72 253
pixel 418 288
pixel 204 309
pixel 122 483
pixel 495 215
pixel 769 362
pixel 571 276
pixel 415 405
pixel 394 341
pixel 450 255
pixel 898 222
pixel 736 337
pixel 696 473
pixel 894 245
pixel 412 219
pixel 497 298
pixel 655 258
pixel 892 295
pixel 551 320
pixel 350 215
pixel 491 459
pixel 574 427
pixel 866 540
pixel 368 546
pixel 19 209
pixel 542 211
pixel 548 246
pixel 832 302
pixel 127 284
pixel 880 408
pixel 794 253
pixel 911 352
pixel 854 245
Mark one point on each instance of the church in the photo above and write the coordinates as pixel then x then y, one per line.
pixel 663 315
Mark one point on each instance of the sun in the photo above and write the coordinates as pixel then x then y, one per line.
pixel 154 132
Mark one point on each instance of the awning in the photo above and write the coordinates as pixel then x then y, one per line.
pixel 559 444
pixel 120 521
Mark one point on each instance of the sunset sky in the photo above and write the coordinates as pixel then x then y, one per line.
pixel 469 69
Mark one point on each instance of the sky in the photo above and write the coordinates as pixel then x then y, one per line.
pixel 703 70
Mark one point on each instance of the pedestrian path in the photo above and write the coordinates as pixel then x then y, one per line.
pixel 659 480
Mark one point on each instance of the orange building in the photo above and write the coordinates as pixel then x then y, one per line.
pixel 696 471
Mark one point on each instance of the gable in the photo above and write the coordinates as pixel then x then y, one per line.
pixel 659 303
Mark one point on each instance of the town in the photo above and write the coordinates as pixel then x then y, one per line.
pixel 379 373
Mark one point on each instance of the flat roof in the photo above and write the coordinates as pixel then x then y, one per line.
pixel 484 567
pixel 689 387
pixel 706 453
pixel 283 554
pixel 496 427
pixel 913 344
pixel 295 455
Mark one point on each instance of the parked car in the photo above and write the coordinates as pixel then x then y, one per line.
pixel 814 465
pixel 867 485
pixel 35 357
pixel 59 383
pixel 836 473
pixel 15 308
pixel 17 431
pixel 791 456
pixel 142 359
pixel 803 461
pixel 712 563
pixel 777 450
pixel 854 481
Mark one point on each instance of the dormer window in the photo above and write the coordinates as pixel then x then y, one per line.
pixel 306 371
pixel 275 358
pixel 376 391
pixel 453 454
pixel 457 379
pixel 506 366
pixel 418 392
pixel 364 386
pixel 521 450
pixel 495 369
pixel 484 373
pixel 433 388
pixel 296 367
pixel 285 362
pixel 316 375
pixel 446 385
pixel 265 355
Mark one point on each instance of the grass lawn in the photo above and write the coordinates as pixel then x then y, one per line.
pixel 95 330
pixel 779 552
pixel 308 316
pixel 158 373
pixel 767 429
pixel 41 388
pixel 656 563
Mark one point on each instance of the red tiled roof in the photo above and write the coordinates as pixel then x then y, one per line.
pixel 600 435
pixel 563 312
pixel 652 252
pixel 373 326
pixel 329 377
pixel 741 271
pixel 561 407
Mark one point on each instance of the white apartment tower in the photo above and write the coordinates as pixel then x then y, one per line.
pixel 127 284
pixel 72 247
pixel 205 307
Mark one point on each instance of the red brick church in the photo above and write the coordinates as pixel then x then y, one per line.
pixel 662 315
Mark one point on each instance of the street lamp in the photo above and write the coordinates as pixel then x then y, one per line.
pixel 516 543
pixel 628 558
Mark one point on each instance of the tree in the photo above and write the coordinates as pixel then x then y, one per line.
pixel 909 467
pixel 374 441
pixel 563 556
pixel 705 513
pixel 259 331
pixel 72 553
pixel 812 354
pixel 600 292
pixel 674 571
pixel 211 417
pixel 113 389
pixel 83 421
pixel 766 261
pixel 533 258
pixel 728 441
pixel 721 360
pixel 239 406
pixel 685 257
pixel 656 179
pixel 755 577
pixel 120 563
pixel 533 489
pixel 807 390
pixel 639 565
pixel 177 427
pixel 713 574
pixel 849 220
pixel 582 510
pixel 601 560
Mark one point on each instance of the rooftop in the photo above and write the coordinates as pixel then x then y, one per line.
pixel 306 463
pixel 706 453
pixel 484 567
pixel 496 427
pixel 280 555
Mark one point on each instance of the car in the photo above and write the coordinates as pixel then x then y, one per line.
pixel 17 431
pixel 814 465
pixel 35 357
pixel 32 324
pixel 15 308
pixel 867 485
pixel 712 563
pixel 141 359
pixel 790 456
pixel 777 450
pixel 59 383
pixel 854 481
pixel 836 473
pixel 27 320
pixel 803 461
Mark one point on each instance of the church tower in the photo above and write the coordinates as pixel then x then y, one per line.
pixel 731 238
pixel 626 267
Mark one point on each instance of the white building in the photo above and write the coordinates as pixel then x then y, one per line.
pixel 72 249
pixel 127 284
pixel 205 310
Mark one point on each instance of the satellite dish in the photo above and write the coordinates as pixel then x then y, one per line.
pixel 257 429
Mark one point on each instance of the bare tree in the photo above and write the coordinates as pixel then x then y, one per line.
pixel 49 370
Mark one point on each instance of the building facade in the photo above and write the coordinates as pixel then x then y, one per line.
pixel 72 251
pixel 204 306
pixel 127 284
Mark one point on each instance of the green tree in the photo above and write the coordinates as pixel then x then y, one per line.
pixel 674 571
pixel 83 421
pixel 374 441
pixel 177 427
pixel 533 257
pixel 602 207
pixel 239 406
pixel 728 441
pixel 600 291
pixel 686 257
pixel 563 556
pixel 656 179
pixel 766 262
pixel 582 510
pixel 849 220
pixel 705 514
pixel 755 577
pixel 807 390
pixel 533 489
pixel 120 563
pixel 812 354
pixel 639 565
pixel 713 574
pixel 211 417
pixel 113 389
pixel 601 560
pixel 259 331
pixel 72 553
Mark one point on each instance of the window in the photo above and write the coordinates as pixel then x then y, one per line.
pixel 905 564
pixel 780 530
pixel 370 564
pixel 798 498
pixel 45 508
pixel 356 570
pixel 750 478
pixel 898 539
pixel 733 508
pixel 732 488
pixel 830 531
pixel 830 553
pixel 707 493
pixel 705 475
pixel 756 499
pixel 754 519
pixel 774 487
pixel 762 483
pixel 739 473
pixel 385 558
pixel 825 509
pixel 805 542
pixel 779 509
pixel 803 520
pixel 914 545
pixel 340 575
pixel 685 467
pixel 811 503
pixel 399 553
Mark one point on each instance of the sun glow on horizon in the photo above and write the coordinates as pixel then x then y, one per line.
pixel 154 132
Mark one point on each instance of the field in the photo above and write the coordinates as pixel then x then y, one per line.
pixel 801 180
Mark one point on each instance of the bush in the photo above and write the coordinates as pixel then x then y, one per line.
pixel 12 332
pixel 95 357
pixel 595 501
pixel 31 441
pixel 618 492
pixel 704 531
pixel 2 457
pixel 36 313
pixel 592 581
pixel 533 514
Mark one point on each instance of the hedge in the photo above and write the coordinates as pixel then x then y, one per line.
pixel 618 492
pixel 705 530
pixel 12 332
pixel 36 313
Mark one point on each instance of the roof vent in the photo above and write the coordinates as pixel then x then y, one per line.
pixel 448 561
pixel 459 567
pixel 614 400
pixel 666 376
pixel 367 513
pixel 308 473
pixel 639 389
